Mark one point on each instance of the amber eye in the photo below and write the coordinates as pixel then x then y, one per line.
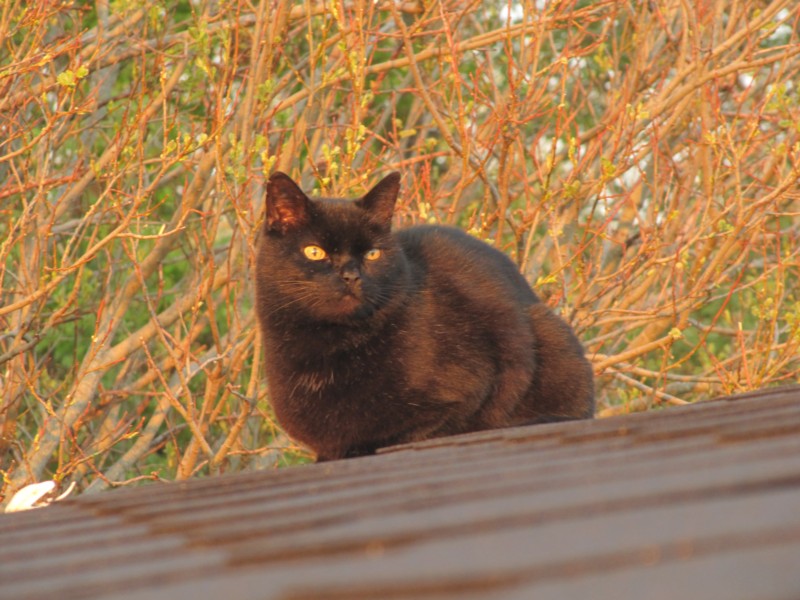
pixel 373 254
pixel 314 253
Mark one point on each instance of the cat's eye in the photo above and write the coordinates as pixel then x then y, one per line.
pixel 373 254
pixel 314 253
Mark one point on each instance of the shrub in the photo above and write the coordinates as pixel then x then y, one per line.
pixel 639 161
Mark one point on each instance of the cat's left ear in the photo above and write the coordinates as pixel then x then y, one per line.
pixel 287 205
pixel 380 200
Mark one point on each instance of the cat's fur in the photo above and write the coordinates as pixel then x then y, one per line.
pixel 439 335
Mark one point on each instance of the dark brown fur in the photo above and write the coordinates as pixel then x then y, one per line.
pixel 439 335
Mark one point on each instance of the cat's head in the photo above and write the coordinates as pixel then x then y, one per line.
pixel 329 259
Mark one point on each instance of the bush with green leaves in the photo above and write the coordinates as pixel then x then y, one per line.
pixel 639 162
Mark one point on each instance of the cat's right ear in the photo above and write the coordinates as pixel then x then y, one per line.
pixel 380 200
pixel 287 205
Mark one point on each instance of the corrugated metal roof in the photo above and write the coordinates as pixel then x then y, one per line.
pixel 701 501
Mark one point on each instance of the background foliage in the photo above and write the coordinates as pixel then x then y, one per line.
pixel 639 160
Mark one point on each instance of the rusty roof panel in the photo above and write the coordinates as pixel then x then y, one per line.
pixel 698 501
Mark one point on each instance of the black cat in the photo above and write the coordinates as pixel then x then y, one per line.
pixel 375 338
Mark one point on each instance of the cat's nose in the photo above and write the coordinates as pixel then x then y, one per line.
pixel 350 275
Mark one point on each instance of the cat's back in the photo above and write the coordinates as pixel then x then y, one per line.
pixel 441 252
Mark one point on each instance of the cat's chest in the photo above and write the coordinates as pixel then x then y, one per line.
pixel 317 374
pixel 312 381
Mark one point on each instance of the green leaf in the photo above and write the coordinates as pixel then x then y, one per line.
pixel 67 79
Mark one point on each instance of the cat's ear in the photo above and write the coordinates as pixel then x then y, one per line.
pixel 379 201
pixel 287 205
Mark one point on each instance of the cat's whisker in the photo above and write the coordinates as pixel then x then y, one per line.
pixel 285 305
